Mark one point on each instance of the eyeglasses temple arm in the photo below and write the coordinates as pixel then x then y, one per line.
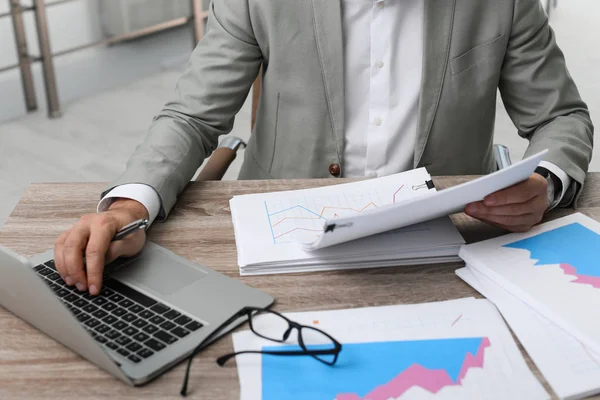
pixel 237 315
pixel 224 358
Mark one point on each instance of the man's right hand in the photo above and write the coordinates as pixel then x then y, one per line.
pixel 92 237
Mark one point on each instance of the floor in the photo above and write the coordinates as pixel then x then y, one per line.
pixel 96 135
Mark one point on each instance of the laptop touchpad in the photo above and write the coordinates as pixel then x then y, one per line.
pixel 159 272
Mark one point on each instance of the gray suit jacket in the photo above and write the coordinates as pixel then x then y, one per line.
pixel 472 48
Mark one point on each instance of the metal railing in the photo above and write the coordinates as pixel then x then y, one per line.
pixel 46 57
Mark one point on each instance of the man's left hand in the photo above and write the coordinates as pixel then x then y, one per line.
pixel 517 208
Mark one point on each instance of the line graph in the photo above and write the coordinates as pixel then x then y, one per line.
pixel 297 229
pixel 385 370
pixel 396 193
pixel 302 219
pixel 320 215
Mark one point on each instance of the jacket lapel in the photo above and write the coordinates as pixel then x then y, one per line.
pixel 439 20
pixel 328 33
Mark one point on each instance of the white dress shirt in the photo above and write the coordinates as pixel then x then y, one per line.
pixel 383 47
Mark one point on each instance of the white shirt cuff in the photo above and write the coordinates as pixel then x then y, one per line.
pixel 560 174
pixel 135 191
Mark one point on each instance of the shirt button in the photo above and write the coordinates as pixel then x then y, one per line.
pixel 373 175
pixel 335 170
pixel 379 64
pixel 378 121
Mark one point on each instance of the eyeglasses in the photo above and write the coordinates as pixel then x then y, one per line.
pixel 275 327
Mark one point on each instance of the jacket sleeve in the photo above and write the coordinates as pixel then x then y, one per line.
pixel 208 95
pixel 541 97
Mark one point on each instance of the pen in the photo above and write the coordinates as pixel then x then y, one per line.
pixel 124 232
pixel 130 228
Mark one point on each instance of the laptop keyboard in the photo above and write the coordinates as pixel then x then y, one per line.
pixel 121 318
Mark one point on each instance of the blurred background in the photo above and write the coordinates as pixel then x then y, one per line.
pixel 108 93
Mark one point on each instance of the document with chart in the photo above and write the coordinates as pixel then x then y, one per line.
pixel 459 349
pixel 571 368
pixel 411 210
pixel 553 268
pixel 269 226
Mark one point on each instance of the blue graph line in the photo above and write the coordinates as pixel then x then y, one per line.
pixel 270 224
pixel 298 206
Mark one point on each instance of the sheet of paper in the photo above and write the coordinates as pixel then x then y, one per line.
pixel 571 369
pixel 346 265
pixel 428 239
pixel 458 349
pixel 433 205
pixel 554 268
pixel 267 226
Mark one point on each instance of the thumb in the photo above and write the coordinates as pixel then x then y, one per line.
pixel 128 247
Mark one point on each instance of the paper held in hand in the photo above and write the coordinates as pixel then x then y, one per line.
pixel 414 210
pixel 400 219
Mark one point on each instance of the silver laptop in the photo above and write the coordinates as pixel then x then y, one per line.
pixel 151 314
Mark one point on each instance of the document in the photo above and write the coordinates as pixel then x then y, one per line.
pixel 459 349
pixel 553 268
pixel 571 369
pixel 413 210
pixel 268 227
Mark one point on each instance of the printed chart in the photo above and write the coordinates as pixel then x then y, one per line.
pixel 302 219
pixel 459 349
pixel 378 371
pixel 571 369
pixel 553 268
pixel 573 247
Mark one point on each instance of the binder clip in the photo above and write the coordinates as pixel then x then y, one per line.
pixel 428 185
pixel 331 228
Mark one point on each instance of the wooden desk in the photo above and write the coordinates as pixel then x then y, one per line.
pixel 200 229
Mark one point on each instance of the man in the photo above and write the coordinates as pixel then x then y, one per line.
pixel 355 88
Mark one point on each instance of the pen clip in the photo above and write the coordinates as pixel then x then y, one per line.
pixel 130 228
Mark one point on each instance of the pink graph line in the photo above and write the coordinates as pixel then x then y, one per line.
pixel 583 279
pixel 456 320
pixel 397 193
pixel 323 212
pixel 417 375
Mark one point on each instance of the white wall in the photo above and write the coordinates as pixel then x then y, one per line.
pixel 577 27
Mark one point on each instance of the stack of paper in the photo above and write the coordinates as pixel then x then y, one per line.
pixel 546 283
pixel 459 349
pixel 269 228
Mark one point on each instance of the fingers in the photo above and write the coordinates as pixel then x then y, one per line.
pixel 520 193
pixel 538 203
pixel 59 259
pixel 74 250
pixel 518 228
pixel 102 231
pixel 517 223
pixel 92 238
pixel 518 217
pixel 512 221
pixel 516 208
pixel 128 247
